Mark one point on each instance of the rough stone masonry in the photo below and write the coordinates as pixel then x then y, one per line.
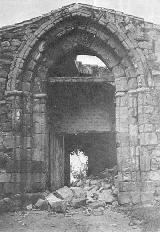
pixel 130 48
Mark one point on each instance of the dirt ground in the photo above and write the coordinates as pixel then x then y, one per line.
pixel 75 221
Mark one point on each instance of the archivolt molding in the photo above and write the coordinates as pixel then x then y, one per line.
pixel 101 17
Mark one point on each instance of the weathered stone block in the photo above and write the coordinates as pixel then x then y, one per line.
pixel 147 197
pixel 8 140
pixel 3 73
pixel 124 100
pixel 36 56
pixel 121 84
pixel 39 127
pixel 154 175
pixel 136 197
pixel 77 203
pixel 15 42
pixel 31 65
pixel 123 138
pixel 122 127
pixel 66 193
pixel 78 192
pixel 148 127
pixel 124 198
pixel 133 132
pixel 155 163
pixel 39 108
pixel 39 117
pixel 145 163
pixel 126 176
pixel 129 186
pixel 148 138
pixel 5 43
pixel 57 204
pixel 40 143
pixel 106 195
pixel 5 177
pixel 118 71
pixel 28 76
pixel 26 86
pixel 28 142
pixel 42 204
pixel 132 83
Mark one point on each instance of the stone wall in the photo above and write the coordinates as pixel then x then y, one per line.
pixel 129 46
pixel 140 182
pixel 81 108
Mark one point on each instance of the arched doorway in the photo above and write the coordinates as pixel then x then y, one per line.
pixel 75 30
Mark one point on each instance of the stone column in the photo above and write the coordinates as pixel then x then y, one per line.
pixel 134 187
pixel 127 145
pixel 40 138
pixel 148 115
pixel 14 100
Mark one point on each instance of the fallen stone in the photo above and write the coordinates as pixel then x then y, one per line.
pixel 51 198
pixel 56 204
pixel 5 44
pixel 88 188
pixel 15 42
pixel 114 191
pixel 114 204
pixel 87 212
pixel 90 200
pixel 94 182
pixel 42 204
pixel 77 203
pixel 7 200
pixel 97 204
pixel 29 207
pixel 95 196
pixel 136 222
pixel 106 185
pixel 87 183
pixel 66 193
pixel 106 195
pixel 59 206
pixel 46 193
pixel 79 183
pixel 92 192
pixel 99 211
pixel 78 192
pixel 131 224
pixel 115 225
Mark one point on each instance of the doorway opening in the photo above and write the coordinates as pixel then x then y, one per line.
pixel 78 166
pixel 81 110
pixel 88 154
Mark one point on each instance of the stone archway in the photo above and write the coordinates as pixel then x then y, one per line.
pixel 77 29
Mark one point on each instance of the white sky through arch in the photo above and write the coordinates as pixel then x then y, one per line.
pixel 85 59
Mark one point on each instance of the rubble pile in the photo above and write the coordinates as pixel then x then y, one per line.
pixel 93 192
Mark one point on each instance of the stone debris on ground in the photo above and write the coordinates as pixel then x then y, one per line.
pixel 29 207
pixel 93 193
pixel 78 202
pixel 42 204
